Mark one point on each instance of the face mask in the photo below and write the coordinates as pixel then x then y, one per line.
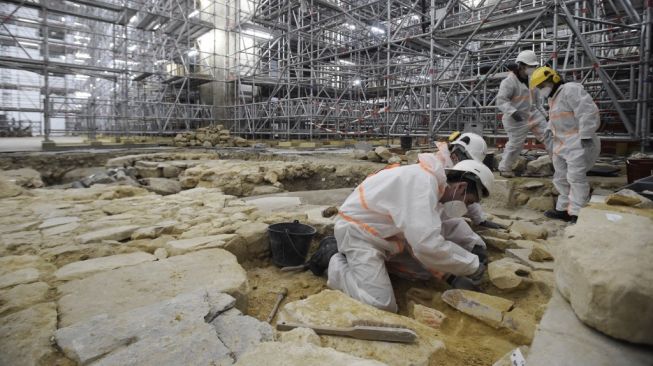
pixel 455 209
pixel 544 92
pixel 529 71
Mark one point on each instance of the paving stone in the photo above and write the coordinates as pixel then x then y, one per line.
pixel 293 354
pixel 61 229
pixel 170 332
pixel 21 238
pixel 333 308
pixel 203 242
pixel 25 275
pixel 26 336
pixel 122 289
pixel 240 333
pixel 113 233
pixel 151 232
pixel 85 268
pixel 12 228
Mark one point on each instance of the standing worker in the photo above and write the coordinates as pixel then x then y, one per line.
pixel 396 214
pixel 520 110
pixel 573 122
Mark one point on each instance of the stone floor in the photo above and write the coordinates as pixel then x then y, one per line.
pixel 121 273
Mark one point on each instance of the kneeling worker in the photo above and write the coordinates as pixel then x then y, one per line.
pixel 396 214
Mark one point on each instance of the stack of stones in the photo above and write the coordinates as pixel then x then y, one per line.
pixel 209 137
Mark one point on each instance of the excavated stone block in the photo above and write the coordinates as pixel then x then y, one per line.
pixel 603 268
pixel 508 275
pixel 333 308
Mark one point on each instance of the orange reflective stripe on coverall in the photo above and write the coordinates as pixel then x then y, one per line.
pixel 573 117
pixel 396 204
pixel 514 96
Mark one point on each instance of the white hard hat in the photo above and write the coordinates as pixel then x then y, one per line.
pixel 479 172
pixel 473 144
pixel 527 57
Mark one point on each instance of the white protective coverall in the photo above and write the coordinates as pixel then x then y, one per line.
pixel 474 211
pixel 394 216
pixel 573 116
pixel 515 96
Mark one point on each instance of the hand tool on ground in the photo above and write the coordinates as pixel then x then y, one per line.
pixel 280 297
pixel 371 331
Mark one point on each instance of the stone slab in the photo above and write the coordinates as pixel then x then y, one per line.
pixel 85 268
pixel 562 340
pixel 112 233
pixel 603 267
pixel 333 308
pixel 293 354
pixel 522 256
pixel 202 242
pixel 487 308
pixel 171 332
pixel 56 221
pixel 25 275
pixel 275 203
pixel 61 229
pixel 241 333
pixel 122 289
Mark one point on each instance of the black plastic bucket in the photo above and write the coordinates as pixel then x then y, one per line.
pixel 406 142
pixel 289 242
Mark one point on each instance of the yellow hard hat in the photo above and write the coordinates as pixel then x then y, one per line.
pixel 542 74
pixel 454 135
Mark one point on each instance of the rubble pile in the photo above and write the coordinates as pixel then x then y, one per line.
pixel 382 154
pixel 209 137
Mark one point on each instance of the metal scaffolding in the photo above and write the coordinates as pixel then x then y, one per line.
pixel 109 66
pixel 334 68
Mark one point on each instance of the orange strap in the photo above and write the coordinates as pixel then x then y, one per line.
pixel 360 224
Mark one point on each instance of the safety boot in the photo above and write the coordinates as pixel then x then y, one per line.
pixel 558 215
pixel 319 261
